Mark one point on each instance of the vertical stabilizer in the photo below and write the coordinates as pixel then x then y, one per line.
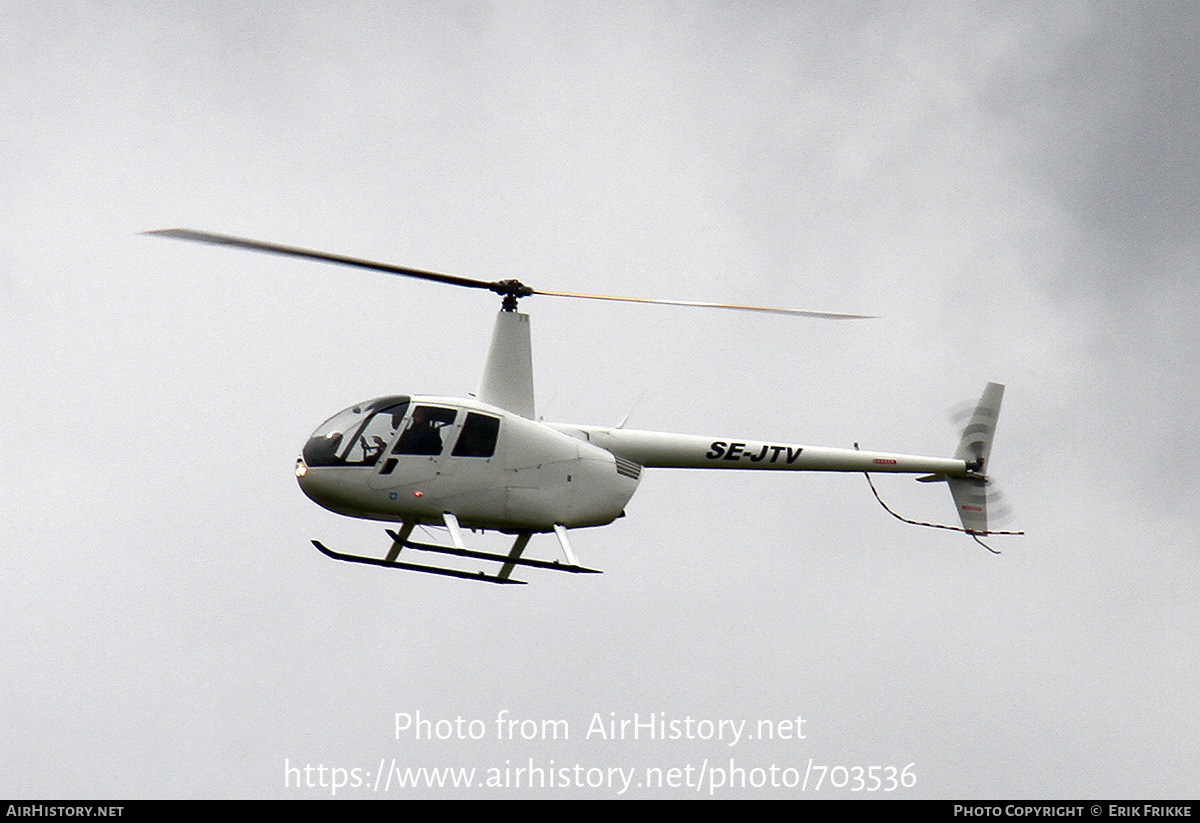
pixel 971 499
pixel 970 493
pixel 508 374
pixel 976 442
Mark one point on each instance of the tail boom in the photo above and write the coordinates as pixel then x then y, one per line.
pixel 688 451
pixel 964 472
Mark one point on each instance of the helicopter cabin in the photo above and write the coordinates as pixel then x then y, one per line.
pixel 404 457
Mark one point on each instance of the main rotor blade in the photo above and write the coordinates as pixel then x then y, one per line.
pixel 828 315
pixel 292 251
pixel 510 289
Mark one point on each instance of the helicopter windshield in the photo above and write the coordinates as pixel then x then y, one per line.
pixel 358 435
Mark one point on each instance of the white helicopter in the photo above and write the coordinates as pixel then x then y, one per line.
pixel 487 464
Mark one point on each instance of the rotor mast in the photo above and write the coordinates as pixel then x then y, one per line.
pixel 507 380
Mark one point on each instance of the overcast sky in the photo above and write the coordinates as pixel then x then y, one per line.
pixel 1011 187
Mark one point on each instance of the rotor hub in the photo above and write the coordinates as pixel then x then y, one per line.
pixel 511 290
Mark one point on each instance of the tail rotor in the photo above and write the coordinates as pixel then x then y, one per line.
pixel 975 496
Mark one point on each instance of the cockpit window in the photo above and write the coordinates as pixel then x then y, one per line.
pixel 358 435
pixel 478 437
pixel 423 435
pixel 373 438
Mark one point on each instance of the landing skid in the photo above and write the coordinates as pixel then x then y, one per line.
pixel 554 565
pixel 510 561
pixel 412 567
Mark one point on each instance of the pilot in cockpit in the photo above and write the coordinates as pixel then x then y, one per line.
pixel 421 436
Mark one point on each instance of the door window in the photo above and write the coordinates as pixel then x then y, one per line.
pixel 478 437
pixel 423 434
